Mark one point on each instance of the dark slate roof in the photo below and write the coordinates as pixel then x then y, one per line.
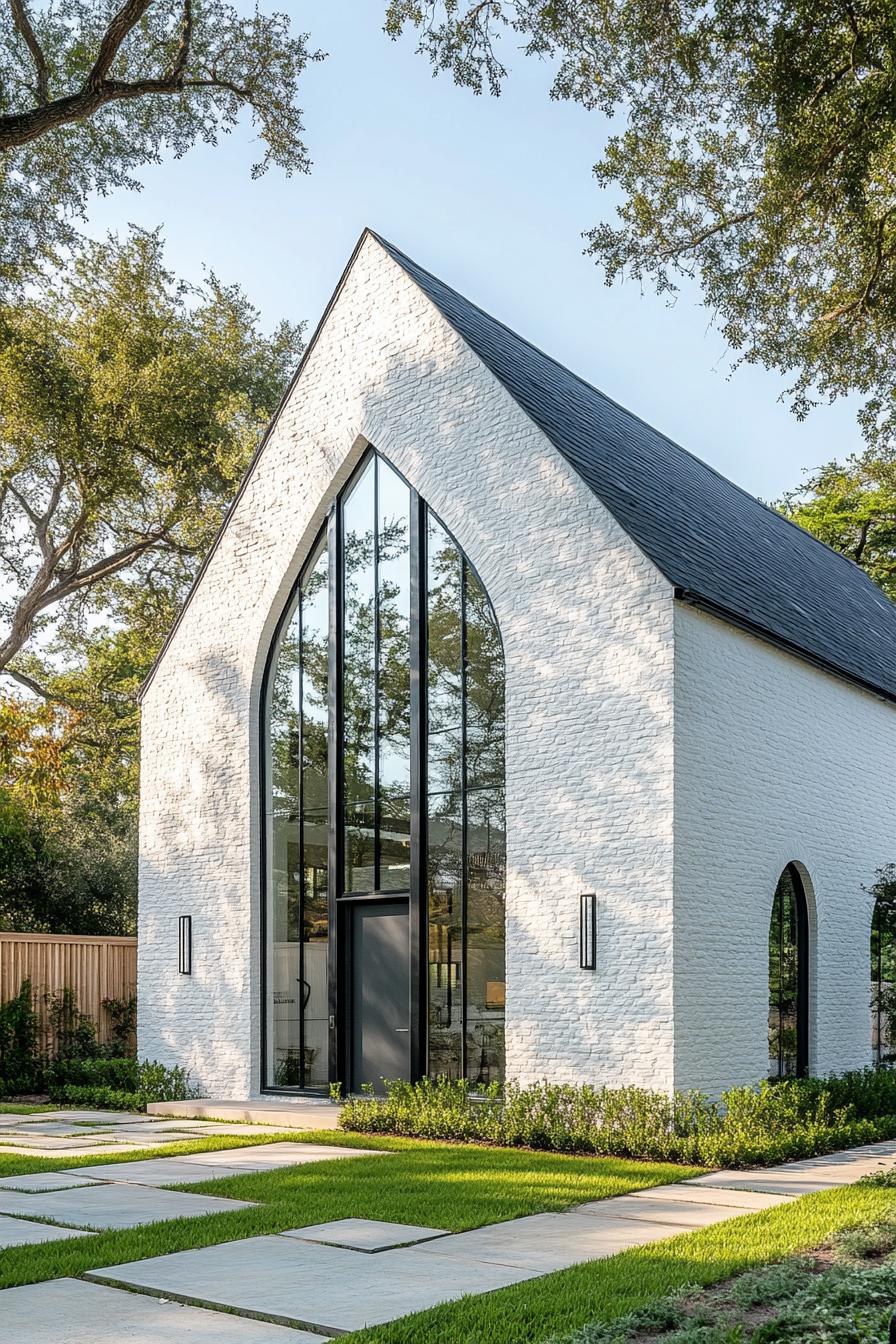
pixel 720 547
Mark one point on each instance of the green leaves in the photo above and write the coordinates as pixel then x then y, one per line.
pixel 88 95
pixel 130 405
pixel 756 153
pixel 851 506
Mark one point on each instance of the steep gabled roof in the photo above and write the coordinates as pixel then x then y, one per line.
pixel 720 548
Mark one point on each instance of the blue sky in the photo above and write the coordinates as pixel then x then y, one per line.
pixel 492 195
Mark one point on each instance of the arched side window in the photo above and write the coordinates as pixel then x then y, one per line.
pixel 383 737
pixel 883 968
pixel 788 979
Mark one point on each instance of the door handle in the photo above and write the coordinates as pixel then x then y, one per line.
pixel 402 1028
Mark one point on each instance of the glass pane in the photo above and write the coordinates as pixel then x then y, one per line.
pixel 359 681
pixel 445 940
pixel 485 688
pixel 312 1061
pixel 783 978
pixel 883 980
pixel 444 660
pixel 485 981
pixel 394 616
pixel 284 875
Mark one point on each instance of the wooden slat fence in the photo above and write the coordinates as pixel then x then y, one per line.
pixel 94 968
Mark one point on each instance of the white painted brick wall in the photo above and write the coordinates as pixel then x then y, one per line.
pixel 776 762
pixel 587 625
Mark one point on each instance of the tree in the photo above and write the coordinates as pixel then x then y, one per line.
pixel 756 154
pixel 851 506
pixel 129 406
pixel 88 94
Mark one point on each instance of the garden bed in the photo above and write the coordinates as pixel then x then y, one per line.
pixel 748 1127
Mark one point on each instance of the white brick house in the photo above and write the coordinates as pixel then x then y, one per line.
pixel 475 646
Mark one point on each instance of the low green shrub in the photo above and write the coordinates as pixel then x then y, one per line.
pixel 21 1062
pixel 102 1098
pixel 116 1084
pixel 750 1126
pixel 117 1073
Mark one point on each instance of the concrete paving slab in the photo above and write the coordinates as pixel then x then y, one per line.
pixel 674 1212
pixel 47 1142
pixel 69 1311
pixel 75 1116
pixel 689 1193
pixel 267 1156
pixel 543 1242
pixel 365 1234
pixel 284 1113
pixel 89 1150
pixel 203 1128
pixel 114 1206
pixel 44 1180
pixel 808 1177
pixel 303 1283
pixel 57 1129
pixel 21 1232
pixel 217 1165
pixel 149 1138
pixel 159 1171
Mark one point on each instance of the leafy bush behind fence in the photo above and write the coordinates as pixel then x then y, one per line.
pixel 80 1072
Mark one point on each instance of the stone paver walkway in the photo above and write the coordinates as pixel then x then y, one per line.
pixel 68 1311
pixel 20 1232
pixel 104 1205
pixel 252 1289
pixel 92 1133
pixel 292 1279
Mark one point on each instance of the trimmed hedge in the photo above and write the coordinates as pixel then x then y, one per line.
pixel 116 1084
pixel 750 1126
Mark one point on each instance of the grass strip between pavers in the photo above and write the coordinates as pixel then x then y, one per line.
pixel 601 1290
pixel 431 1184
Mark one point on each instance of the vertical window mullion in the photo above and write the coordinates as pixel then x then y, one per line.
pixel 301 803
pixel 464 827
pixel 376 673
pixel 419 912
pixel 335 790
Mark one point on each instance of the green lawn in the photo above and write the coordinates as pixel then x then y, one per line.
pixel 22 1108
pixel 439 1185
pixel 459 1187
pixel 532 1312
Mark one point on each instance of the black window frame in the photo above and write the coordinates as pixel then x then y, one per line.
pixel 802 951
pixel 339 899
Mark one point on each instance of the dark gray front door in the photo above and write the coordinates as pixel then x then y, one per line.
pixel 380 992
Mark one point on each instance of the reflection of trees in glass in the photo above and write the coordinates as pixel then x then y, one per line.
pixel 463 750
pixel 883 965
pixel 297 909
pixel 466 867
pixel 376 680
pixel 358 677
pixel 783 978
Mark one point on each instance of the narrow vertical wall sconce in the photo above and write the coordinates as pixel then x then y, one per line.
pixel 588 932
pixel 185 945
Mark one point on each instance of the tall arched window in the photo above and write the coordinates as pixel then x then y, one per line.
pixel 788 978
pixel 883 968
pixel 384 805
